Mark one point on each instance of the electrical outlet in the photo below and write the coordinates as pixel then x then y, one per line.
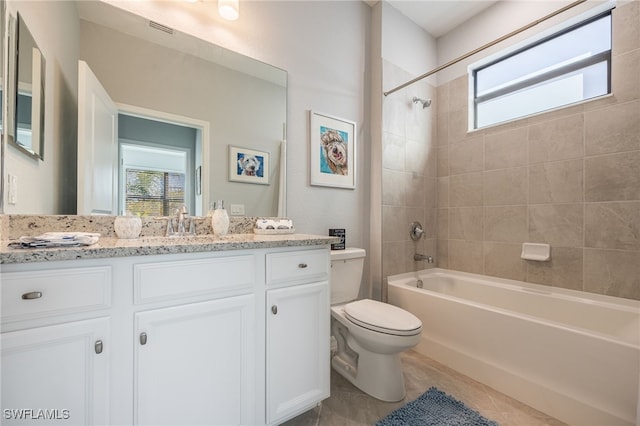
pixel 237 209
pixel 12 190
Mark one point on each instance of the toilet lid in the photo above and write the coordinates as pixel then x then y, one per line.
pixel 382 317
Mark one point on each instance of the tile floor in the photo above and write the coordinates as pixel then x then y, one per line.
pixel 348 406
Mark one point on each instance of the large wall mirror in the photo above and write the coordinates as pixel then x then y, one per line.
pixel 176 85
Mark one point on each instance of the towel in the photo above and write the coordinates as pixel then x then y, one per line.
pixel 58 239
pixel 274 224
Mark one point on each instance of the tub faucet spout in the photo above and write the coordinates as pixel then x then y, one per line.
pixel 418 257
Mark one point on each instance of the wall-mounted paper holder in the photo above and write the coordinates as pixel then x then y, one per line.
pixel 534 251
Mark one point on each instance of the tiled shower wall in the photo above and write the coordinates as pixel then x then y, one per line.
pixel 569 178
pixel 408 173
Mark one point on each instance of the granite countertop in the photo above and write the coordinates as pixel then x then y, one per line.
pixel 114 247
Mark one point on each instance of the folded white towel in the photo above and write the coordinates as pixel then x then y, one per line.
pixel 61 239
pixel 274 224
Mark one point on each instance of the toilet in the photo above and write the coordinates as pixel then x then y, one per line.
pixel 369 335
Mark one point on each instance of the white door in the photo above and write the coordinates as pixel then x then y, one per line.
pixel 56 374
pixel 97 146
pixel 297 349
pixel 195 364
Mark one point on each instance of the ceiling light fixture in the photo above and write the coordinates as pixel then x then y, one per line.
pixel 229 9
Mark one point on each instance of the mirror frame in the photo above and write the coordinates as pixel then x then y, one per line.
pixel 3 101
pixel 37 90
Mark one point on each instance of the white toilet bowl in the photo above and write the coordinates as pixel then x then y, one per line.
pixel 370 337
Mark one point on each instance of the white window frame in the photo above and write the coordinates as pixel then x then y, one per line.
pixel 541 37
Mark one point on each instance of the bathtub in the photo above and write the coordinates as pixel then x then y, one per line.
pixel 570 354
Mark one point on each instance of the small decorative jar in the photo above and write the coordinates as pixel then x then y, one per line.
pixel 219 219
pixel 127 227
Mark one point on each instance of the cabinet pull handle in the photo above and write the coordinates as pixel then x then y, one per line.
pixel 143 338
pixel 32 295
pixel 98 346
pixel 302 265
pixel 274 310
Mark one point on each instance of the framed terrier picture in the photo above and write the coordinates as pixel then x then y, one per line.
pixel 332 151
pixel 248 165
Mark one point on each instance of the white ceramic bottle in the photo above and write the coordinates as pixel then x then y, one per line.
pixel 219 219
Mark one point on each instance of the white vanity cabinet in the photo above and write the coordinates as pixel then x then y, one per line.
pixel 56 346
pixel 195 362
pixel 297 332
pixel 213 338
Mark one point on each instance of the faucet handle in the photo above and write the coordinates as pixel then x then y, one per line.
pixel 416 231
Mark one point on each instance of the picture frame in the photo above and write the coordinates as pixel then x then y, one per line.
pixel 332 151
pixel 248 165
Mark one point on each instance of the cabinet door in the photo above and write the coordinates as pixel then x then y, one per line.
pixel 195 364
pixel 56 374
pixel 297 349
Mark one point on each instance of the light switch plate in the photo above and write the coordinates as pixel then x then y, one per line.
pixel 237 209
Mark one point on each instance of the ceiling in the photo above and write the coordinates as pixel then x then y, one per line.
pixel 438 17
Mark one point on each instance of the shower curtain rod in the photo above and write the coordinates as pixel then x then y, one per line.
pixel 483 47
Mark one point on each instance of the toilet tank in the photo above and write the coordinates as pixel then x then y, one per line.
pixel 346 274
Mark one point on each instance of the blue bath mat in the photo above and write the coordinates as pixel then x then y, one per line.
pixel 435 408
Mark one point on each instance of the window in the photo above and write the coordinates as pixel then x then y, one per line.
pixel 153 193
pixel 567 67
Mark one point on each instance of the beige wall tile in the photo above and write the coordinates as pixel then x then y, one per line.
pixel 506 149
pixel 466 156
pixel 613 129
pixel 465 190
pixel 443 224
pixel 503 260
pixel 466 256
pixel 626 31
pixel 394 258
pixel 465 223
pixel 560 225
pixel 442 162
pixel 417 157
pixel 443 192
pixel 613 177
pixel 394 223
pixel 442 121
pixel 625 77
pixel 393 152
pixel 557 139
pixel 557 182
pixel 393 193
pixel 505 187
pixel 612 272
pixel 458 93
pixel 458 125
pixel 505 223
pixel 563 270
pixel 442 253
pixel 613 225
pixel 443 99
pixel 414 190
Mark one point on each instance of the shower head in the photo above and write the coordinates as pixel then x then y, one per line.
pixel 425 102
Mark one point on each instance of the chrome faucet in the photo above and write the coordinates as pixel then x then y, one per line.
pixel 417 257
pixel 178 225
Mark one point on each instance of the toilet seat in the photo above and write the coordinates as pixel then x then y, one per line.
pixel 382 317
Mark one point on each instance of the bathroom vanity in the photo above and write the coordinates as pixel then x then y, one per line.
pixel 200 330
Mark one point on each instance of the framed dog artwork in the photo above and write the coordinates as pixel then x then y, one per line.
pixel 248 165
pixel 333 151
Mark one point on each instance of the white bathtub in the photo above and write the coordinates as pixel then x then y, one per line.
pixel 572 355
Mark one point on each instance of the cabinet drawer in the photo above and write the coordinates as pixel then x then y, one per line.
pixel 301 266
pixel 37 294
pixel 185 278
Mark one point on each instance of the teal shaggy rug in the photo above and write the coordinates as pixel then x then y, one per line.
pixel 435 408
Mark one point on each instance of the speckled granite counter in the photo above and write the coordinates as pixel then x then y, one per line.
pixel 115 247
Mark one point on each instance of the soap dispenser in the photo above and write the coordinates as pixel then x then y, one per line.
pixel 219 219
